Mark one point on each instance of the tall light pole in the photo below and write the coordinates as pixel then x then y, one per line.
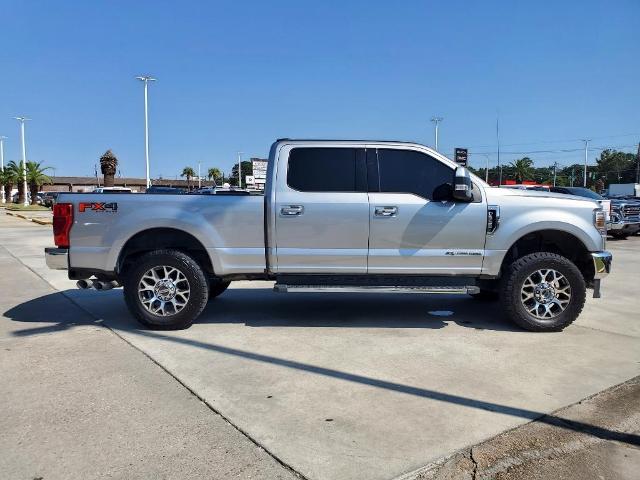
pixel 146 79
pixel 586 149
pixel 2 138
pixel 239 169
pixel 437 121
pixel 24 158
pixel 199 177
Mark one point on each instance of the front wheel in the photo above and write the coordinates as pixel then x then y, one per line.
pixel 166 290
pixel 543 292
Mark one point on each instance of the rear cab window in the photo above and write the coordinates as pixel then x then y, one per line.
pixel 331 169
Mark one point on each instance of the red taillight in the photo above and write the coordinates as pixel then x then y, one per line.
pixel 62 222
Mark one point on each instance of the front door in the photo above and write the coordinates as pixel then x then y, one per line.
pixel 410 233
pixel 322 210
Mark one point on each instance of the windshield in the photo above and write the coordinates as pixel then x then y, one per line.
pixel 585 192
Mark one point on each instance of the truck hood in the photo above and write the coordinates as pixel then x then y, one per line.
pixel 512 192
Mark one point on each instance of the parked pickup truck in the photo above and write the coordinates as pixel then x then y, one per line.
pixel 340 216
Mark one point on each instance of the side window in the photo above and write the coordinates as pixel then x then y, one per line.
pixel 407 171
pixel 314 169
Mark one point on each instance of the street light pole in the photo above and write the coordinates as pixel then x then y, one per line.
pixel 146 79
pixel 437 121
pixel 199 177
pixel 239 169
pixel 2 138
pixel 586 148
pixel 24 159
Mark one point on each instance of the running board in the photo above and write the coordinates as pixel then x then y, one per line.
pixel 456 290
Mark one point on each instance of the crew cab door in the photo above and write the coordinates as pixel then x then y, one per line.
pixel 321 210
pixel 412 234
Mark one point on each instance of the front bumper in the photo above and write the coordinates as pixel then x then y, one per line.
pixel 57 258
pixel 624 225
pixel 601 264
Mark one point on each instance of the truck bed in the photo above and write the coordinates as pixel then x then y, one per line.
pixel 229 227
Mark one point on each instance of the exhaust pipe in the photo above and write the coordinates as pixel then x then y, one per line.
pixel 84 284
pixel 101 286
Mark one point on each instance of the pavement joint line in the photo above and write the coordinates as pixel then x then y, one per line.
pixel 100 322
pixel 605 331
pixel 467 451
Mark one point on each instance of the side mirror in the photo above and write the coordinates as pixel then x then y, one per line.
pixel 462 190
pixel 442 193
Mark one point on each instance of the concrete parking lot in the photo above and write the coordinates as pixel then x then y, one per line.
pixel 332 386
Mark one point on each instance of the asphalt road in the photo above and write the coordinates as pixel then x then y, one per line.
pixel 345 386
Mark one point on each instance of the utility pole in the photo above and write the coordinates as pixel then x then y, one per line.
pixel 146 79
pixel 637 164
pixel 2 139
pixel 239 169
pixel 586 150
pixel 498 142
pixel 555 171
pixel 437 121
pixel 24 159
pixel 199 179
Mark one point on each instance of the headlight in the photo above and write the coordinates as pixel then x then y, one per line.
pixel 600 221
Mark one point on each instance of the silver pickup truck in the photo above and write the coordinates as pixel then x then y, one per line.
pixel 340 216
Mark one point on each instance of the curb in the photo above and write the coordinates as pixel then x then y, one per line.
pixel 29 219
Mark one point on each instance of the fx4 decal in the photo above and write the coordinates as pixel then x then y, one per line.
pixel 98 207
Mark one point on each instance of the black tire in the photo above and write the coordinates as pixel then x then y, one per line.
pixel 485 295
pixel 197 285
pixel 513 281
pixel 619 235
pixel 217 288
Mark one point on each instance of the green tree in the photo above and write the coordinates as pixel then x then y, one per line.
pixel 522 169
pixel 108 167
pixel 36 177
pixel 17 173
pixel 7 181
pixel 247 169
pixel 189 173
pixel 215 174
pixel 616 167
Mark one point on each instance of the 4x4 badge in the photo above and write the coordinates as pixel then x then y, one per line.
pixel 98 207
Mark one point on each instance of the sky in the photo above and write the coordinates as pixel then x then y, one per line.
pixel 234 76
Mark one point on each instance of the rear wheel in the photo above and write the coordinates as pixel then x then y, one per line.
pixel 543 292
pixel 166 290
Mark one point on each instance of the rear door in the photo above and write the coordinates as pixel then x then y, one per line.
pixel 321 210
pixel 410 233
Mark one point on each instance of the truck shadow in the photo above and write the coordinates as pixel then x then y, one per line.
pixel 261 307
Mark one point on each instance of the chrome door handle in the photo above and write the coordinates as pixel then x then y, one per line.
pixel 292 210
pixel 386 211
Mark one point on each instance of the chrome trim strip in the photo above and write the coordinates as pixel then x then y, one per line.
pixel 281 288
pixel 57 258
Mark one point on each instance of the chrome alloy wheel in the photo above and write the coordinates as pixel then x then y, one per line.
pixel 545 293
pixel 164 290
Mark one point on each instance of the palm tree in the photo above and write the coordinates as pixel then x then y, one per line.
pixel 7 180
pixel 16 170
pixel 523 169
pixel 36 178
pixel 189 173
pixel 108 167
pixel 215 174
